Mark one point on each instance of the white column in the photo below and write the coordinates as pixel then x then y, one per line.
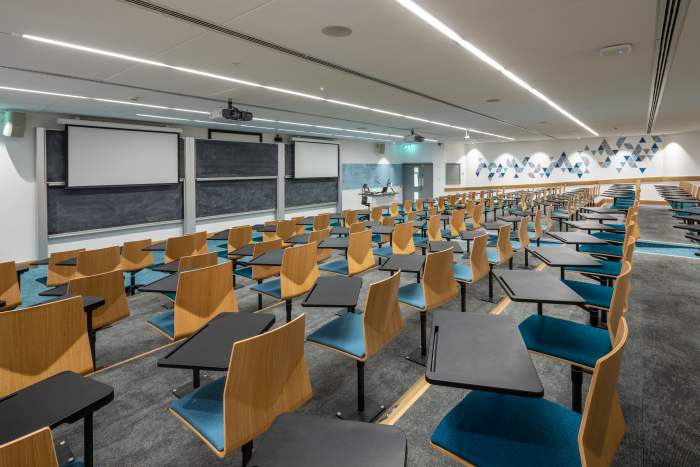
pixel 42 224
pixel 190 188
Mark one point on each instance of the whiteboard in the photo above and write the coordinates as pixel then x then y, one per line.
pixel 315 160
pixel 117 157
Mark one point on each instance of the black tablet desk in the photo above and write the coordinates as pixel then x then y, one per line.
pixel 589 226
pixel 298 440
pixel 157 246
pixel 334 292
pixel 306 221
pixel 691 219
pixel 245 250
pixel 602 210
pixel 481 352
pixel 40 262
pixel 576 238
pixel 170 267
pixel 561 257
pixel 298 239
pixel 335 243
pixel 597 216
pixel 269 258
pixel 223 235
pixel 439 245
pixel 165 285
pixel 521 213
pixel 537 287
pixel 691 227
pixel 265 228
pixel 515 220
pixel 688 210
pixel 340 231
pixel 68 262
pixel 469 235
pixel 63 398
pixel 494 225
pixel 405 263
pixel 210 347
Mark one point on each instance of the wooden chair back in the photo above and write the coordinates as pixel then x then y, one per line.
pixel 504 245
pixel 9 286
pixel 411 216
pixel 41 341
pixel 299 270
pixel 441 204
pixel 187 263
pixel 420 205
pixel 286 229
pixel 351 217
pixel 402 239
pixel 439 285
pixel 434 233
pixel 619 301
pixel 322 221
pixel 358 227
pixel 394 209
pixel 602 424
pixel 318 236
pixel 59 275
pixel 267 236
pixel 176 247
pixel 263 272
pixel 457 224
pixel 479 258
pixel 360 257
pixel 452 199
pixel 91 262
pixel 134 258
pixel 34 449
pixel 387 222
pixel 239 237
pixel 298 229
pixel 538 224
pixel 628 248
pixel 382 316
pixel 478 216
pixel 110 287
pixel 267 376
pixel 199 239
pixel 201 295
pixel 407 206
pixel 375 214
pixel 523 233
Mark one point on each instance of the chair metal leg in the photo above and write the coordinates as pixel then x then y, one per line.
pixel 132 283
pixel 526 258
pixel 576 388
pixel 510 263
pixel 288 306
pixel 247 452
pixel 463 293
pixel 420 355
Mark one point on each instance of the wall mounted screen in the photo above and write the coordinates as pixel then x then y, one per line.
pixel 118 157
pixel 315 160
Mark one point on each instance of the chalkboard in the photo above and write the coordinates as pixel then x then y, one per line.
pixel 289 160
pixel 235 159
pixel 305 191
pixel 73 210
pixel 234 196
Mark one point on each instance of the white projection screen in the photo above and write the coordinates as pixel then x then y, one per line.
pixel 315 160
pixel 118 157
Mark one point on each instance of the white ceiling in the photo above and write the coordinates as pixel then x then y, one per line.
pixel 552 44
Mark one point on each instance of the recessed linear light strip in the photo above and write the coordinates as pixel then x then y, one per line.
pixel 424 15
pixel 144 61
pixel 202 112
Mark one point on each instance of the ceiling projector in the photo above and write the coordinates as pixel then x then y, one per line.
pixel 231 113
pixel 413 138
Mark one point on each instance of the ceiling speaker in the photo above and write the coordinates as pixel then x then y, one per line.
pixel 14 124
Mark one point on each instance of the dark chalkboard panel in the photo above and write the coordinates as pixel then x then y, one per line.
pixel 304 191
pixel 73 210
pixel 289 160
pixel 235 159
pixel 234 196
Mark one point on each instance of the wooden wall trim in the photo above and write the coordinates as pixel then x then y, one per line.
pixel 609 181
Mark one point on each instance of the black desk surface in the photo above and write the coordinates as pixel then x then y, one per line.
pixel 589 225
pixel 265 228
pixel 166 284
pixel 380 229
pixel 340 231
pixel 299 440
pixel 168 267
pixel 690 218
pixel 688 210
pixel 334 292
pixel 337 216
pixel 306 221
pixel 245 250
pixel 481 352
pixel 223 235
pixel 90 303
pixel 21 268
pixel 494 225
pixel 210 347
pixel 40 262
pixel 562 256
pixel 335 243
pixel 298 239
pixel 157 246
pixel 65 397
pixel 68 262
pixel 576 238
pixel 602 210
pixel 269 258
pixel 537 287
pixel 472 234
pixel 406 263
pixel 434 246
pixel 598 216
pixel 521 213
pixel 692 227
pixel 55 292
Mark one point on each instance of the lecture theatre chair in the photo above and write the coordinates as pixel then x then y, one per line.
pixel 477 217
pixel 502 253
pixel 298 229
pixel 202 294
pixel 608 270
pixel 437 288
pixel 298 275
pixel 58 275
pixel 286 229
pixel 361 335
pixel 433 228
pixel 98 261
pixel 260 273
pixel 322 254
pixel 375 214
pixel 359 257
pixel 41 341
pixel 522 241
pixel 477 269
pixel 350 217
pixel 176 247
pixel 34 449
pixel 456 225
pixel 267 376
pixel 381 239
pixel 488 428
pixel 575 344
pixel 322 221
pixel 9 286
pixel 135 259
pixel 238 237
pixel 401 241
pixel 200 242
pixel 536 228
pixel 110 287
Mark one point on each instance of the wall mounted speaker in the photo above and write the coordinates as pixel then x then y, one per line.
pixel 381 147
pixel 14 124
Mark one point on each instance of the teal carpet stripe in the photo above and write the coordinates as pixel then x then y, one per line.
pixel 667 249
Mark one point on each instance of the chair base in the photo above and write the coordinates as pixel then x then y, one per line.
pixel 183 390
pixel 417 357
pixel 371 412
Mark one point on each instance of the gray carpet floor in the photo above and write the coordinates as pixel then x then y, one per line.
pixel 658 385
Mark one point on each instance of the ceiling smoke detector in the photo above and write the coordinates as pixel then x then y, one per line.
pixel 616 50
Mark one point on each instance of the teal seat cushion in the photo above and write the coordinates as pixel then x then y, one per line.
pixel 594 294
pixel 463 272
pixel 223 254
pixel 165 321
pixel 345 333
pixel 568 340
pixel 608 250
pixel 272 287
pixel 610 236
pixel 412 294
pixel 376 238
pixel 203 408
pixel 170 295
pixel 384 251
pixel 257 237
pixel 339 266
pixel 607 268
pixel 617 226
pixel 493 256
pixel 516 245
pixel 245 272
pixel 489 429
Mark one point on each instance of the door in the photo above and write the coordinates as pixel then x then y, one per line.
pixel 417 181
